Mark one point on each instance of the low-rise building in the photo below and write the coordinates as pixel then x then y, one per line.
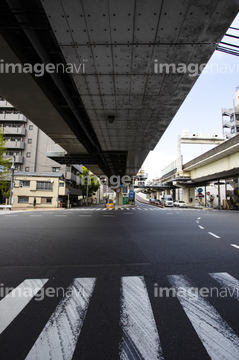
pixel 49 190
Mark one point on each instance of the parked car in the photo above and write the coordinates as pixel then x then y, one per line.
pixel 180 203
pixel 166 201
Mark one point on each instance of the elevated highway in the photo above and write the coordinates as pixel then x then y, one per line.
pixel 113 107
pixel 221 162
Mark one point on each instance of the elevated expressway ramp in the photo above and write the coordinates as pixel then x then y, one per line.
pixel 110 115
pixel 221 162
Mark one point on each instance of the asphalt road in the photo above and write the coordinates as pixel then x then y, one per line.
pixel 95 284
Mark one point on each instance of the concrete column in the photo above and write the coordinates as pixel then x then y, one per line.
pixel 219 196
pixel 205 196
pixel 185 195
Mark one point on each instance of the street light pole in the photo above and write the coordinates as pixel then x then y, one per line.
pixel 87 187
pixel 12 178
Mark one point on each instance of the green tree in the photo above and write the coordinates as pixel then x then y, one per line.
pixel 5 166
pixel 93 183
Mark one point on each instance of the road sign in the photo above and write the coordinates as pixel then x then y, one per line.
pixel 200 195
pixel 131 194
pixel 68 192
pixel 118 190
pixel 200 190
pixel 208 193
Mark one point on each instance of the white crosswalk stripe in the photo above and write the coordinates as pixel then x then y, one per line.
pixel 216 335
pixel 16 300
pixel 59 337
pixel 140 338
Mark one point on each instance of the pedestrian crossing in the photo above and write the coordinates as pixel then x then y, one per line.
pixel 135 209
pixel 139 335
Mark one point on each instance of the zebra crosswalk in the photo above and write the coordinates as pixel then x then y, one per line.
pixel 139 335
pixel 90 209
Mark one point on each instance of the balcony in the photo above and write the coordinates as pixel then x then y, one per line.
pixel 18 158
pixel 15 145
pixel 13 117
pixel 55 150
pixel 227 124
pixel 9 130
pixel 73 177
pixel 5 104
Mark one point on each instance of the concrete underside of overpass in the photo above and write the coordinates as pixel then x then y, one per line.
pixel 118 42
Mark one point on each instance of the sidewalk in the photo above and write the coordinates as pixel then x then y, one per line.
pixel 29 209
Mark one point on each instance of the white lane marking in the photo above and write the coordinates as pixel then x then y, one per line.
pixel 216 335
pixel 140 338
pixel 13 303
pixel 60 215
pixel 146 209
pixel 199 218
pixel 228 281
pixel 59 337
pixel 236 246
pixel 216 236
pixel 99 209
pixel 197 221
pixel 85 215
pixel 201 227
pixel 11 215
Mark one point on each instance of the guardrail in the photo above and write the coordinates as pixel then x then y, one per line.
pixel 5 207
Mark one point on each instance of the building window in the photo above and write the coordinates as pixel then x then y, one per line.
pixel 18 167
pixel 61 184
pixel 27 168
pixel 55 169
pixel 23 199
pixel 68 169
pixel 44 185
pixel 30 127
pixel 29 141
pixel 24 183
pixel 46 200
pixel 28 154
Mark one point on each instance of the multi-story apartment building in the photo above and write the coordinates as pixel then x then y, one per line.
pixel 26 141
pixel 30 145
pixel 230 118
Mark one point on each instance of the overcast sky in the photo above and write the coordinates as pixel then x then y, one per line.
pixel 201 110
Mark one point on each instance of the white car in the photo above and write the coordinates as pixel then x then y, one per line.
pixel 181 203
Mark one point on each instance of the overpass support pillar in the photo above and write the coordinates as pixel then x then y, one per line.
pixel 188 195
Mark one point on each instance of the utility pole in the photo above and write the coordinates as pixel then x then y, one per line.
pixel 12 178
pixel 87 187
